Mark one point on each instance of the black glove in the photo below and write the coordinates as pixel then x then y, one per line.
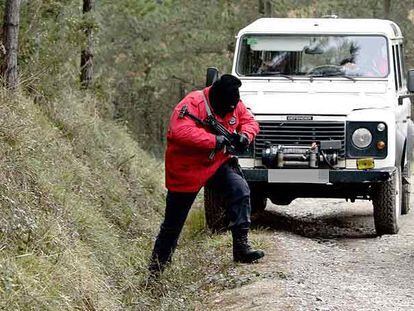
pixel 241 142
pixel 221 142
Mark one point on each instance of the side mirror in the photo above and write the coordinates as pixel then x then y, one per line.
pixel 410 80
pixel 212 75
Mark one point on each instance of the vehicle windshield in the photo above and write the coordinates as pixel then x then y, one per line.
pixel 314 56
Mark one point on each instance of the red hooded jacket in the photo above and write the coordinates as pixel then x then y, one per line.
pixel 187 163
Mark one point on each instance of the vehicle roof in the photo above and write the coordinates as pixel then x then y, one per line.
pixel 323 26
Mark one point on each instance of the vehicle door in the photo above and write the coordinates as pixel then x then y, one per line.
pixel 403 104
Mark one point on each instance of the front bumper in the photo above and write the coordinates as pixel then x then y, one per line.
pixel 318 176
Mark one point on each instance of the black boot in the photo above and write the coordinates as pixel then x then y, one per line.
pixel 162 253
pixel 242 251
pixel 155 268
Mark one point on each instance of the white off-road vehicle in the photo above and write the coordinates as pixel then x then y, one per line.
pixel 333 100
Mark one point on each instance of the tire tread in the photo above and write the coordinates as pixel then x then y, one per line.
pixel 383 201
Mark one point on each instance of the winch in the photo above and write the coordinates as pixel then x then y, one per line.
pixel 318 154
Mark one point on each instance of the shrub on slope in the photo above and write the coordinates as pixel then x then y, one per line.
pixel 80 204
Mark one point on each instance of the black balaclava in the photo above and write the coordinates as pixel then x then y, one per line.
pixel 224 94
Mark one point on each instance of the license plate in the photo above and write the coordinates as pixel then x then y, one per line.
pixel 303 176
pixel 365 164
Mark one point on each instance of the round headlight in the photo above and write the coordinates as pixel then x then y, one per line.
pixel 381 127
pixel 362 138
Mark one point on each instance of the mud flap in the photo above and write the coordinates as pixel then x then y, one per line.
pixel 410 140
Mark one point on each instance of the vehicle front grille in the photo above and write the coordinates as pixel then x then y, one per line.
pixel 301 133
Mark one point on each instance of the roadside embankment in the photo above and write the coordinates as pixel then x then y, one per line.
pixel 80 204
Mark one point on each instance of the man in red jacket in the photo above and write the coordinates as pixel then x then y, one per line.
pixel 189 166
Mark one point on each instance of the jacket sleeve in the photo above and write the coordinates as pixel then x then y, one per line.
pixel 185 131
pixel 247 124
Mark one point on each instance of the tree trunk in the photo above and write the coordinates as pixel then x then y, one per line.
pixel 387 8
pixel 87 52
pixel 11 43
pixel 261 7
pixel 268 8
pixel 265 7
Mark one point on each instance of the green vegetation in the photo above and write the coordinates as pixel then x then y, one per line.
pixel 80 204
pixel 163 52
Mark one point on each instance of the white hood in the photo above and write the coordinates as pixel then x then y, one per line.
pixel 327 99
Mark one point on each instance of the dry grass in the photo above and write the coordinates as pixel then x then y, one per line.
pixel 80 204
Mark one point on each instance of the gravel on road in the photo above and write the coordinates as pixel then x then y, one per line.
pixel 324 255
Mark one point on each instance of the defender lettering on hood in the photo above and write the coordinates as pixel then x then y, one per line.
pixel 299 118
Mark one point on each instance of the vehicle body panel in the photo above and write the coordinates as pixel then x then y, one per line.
pixel 330 99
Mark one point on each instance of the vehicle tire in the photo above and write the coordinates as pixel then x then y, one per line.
pixel 406 189
pixel 386 199
pixel 258 201
pixel 281 200
pixel 215 211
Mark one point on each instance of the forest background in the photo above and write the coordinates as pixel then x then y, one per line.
pixel 148 54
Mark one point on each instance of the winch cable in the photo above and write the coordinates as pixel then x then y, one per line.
pixel 327 162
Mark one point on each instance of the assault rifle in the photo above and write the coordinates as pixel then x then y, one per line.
pixel 213 125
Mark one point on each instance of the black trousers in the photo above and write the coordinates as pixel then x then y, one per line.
pixel 229 183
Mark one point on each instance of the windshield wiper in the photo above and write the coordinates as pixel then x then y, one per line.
pixel 327 75
pixel 270 74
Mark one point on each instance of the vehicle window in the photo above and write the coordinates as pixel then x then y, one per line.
pixel 397 49
pixel 358 56
pixel 394 62
pixel 403 64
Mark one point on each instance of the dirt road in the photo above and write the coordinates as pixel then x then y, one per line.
pixel 324 255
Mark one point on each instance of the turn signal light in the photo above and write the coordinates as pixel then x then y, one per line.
pixel 380 145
